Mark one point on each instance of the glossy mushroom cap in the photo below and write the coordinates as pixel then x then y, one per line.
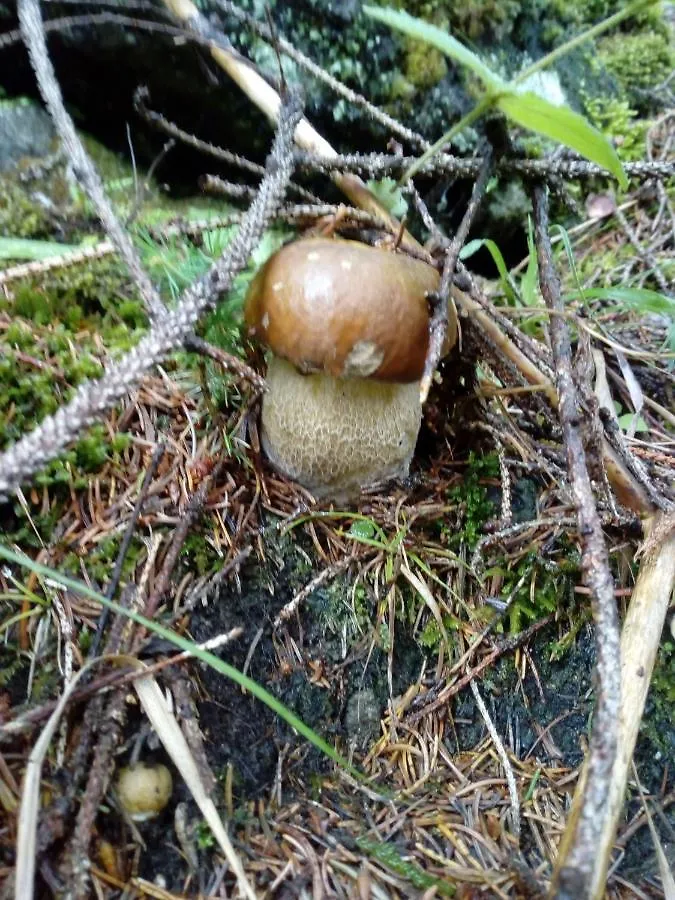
pixel 344 308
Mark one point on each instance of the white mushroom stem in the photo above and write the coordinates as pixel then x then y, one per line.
pixel 337 435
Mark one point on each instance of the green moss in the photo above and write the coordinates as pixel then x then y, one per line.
pixel 424 65
pixel 101 558
pixel 638 61
pixel 615 118
pixel 657 723
pixel 533 588
pixel 472 496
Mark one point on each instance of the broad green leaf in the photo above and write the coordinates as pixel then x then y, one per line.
pixel 390 196
pixel 441 40
pixel 26 248
pixel 563 125
pixel 629 420
pixel 362 528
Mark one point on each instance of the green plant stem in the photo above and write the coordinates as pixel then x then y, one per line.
pixel 486 103
pixel 587 35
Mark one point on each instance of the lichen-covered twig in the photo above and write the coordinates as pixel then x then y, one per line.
pixel 94 398
pixel 575 876
pixel 83 168
pixel 163 124
pixel 375 164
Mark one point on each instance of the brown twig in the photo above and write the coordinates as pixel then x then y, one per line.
pixel 574 878
pixel 228 361
pixel 119 678
pixel 178 539
pixel 163 124
pixel 438 326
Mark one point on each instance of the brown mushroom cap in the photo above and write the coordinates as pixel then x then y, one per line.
pixel 344 308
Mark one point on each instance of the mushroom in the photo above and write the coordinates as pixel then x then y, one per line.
pixel 347 325
pixel 144 790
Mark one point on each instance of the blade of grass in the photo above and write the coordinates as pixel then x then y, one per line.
pixel 171 736
pixel 438 38
pixel 26 839
pixel 562 124
pixel 184 644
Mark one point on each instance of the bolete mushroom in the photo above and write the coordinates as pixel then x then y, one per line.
pixel 347 325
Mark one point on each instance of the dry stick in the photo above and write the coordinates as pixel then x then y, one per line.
pixel 116 679
pixel 452 690
pixel 93 399
pixel 163 124
pixel 506 762
pixel 639 645
pixel 85 172
pixel 438 326
pixel 266 98
pixel 228 361
pixel 574 878
pixel 179 536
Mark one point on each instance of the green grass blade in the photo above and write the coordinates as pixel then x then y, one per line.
pixel 505 276
pixel 528 283
pixel 441 40
pixel 27 248
pixel 184 644
pixel 641 299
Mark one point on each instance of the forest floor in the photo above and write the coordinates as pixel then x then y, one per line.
pixel 405 631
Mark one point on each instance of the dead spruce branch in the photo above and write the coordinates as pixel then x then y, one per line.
pixel 94 398
pixel 575 878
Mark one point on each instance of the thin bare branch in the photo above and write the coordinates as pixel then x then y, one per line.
pixel 575 877
pixel 94 398
pixel 374 164
pixel 438 326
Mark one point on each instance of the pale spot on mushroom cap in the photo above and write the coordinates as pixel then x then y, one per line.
pixel 266 320
pixel 313 256
pixel 346 264
pixel 278 286
pixel 363 360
